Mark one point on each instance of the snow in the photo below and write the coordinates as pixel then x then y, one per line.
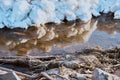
pixel 25 13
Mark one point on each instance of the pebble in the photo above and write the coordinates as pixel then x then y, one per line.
pixel 99 74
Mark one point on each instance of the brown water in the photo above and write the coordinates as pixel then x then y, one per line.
pixel 60 38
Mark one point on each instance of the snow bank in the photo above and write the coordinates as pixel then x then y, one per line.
pixel 24 13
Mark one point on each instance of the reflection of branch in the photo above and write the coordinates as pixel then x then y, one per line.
pixel 109 25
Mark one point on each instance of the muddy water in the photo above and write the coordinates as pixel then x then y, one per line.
pixel 60 38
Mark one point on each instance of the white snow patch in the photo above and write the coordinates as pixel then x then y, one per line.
pixel 25 13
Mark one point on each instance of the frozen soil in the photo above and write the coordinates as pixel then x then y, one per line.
pixel 72 66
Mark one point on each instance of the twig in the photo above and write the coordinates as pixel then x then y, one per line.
pixel 46 76
pixel 112 66
pixel 44 58
pixel 30 57
pixel 61 76
pixel 20 61
pixel 15 62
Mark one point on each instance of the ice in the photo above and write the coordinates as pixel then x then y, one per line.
pixel 117 15
pixel 38 16
pixel 19 13
pixel 25 13
pixel 6 4
pixel 70 15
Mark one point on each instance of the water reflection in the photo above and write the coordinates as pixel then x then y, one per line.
pixel 61 36
pixel 107 24
pixel 44 38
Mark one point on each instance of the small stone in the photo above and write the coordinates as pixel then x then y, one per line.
pixel 99 74
pixel 69 57
pixel 90 59
pixel 82 78
pixel 3 72
pixel 4 75
pixel 117 72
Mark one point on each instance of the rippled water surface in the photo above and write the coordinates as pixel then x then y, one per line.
pixel 60 38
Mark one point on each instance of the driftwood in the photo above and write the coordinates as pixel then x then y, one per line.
pixel 68 67
pixel 42 58
pixel 39 66
pixel 36 62
pixel 26 61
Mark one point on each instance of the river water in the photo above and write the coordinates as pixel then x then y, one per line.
pixel 60 38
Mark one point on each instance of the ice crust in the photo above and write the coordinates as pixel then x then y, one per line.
pixel 25 13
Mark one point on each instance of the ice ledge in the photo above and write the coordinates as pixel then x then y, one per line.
pixel 24 13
